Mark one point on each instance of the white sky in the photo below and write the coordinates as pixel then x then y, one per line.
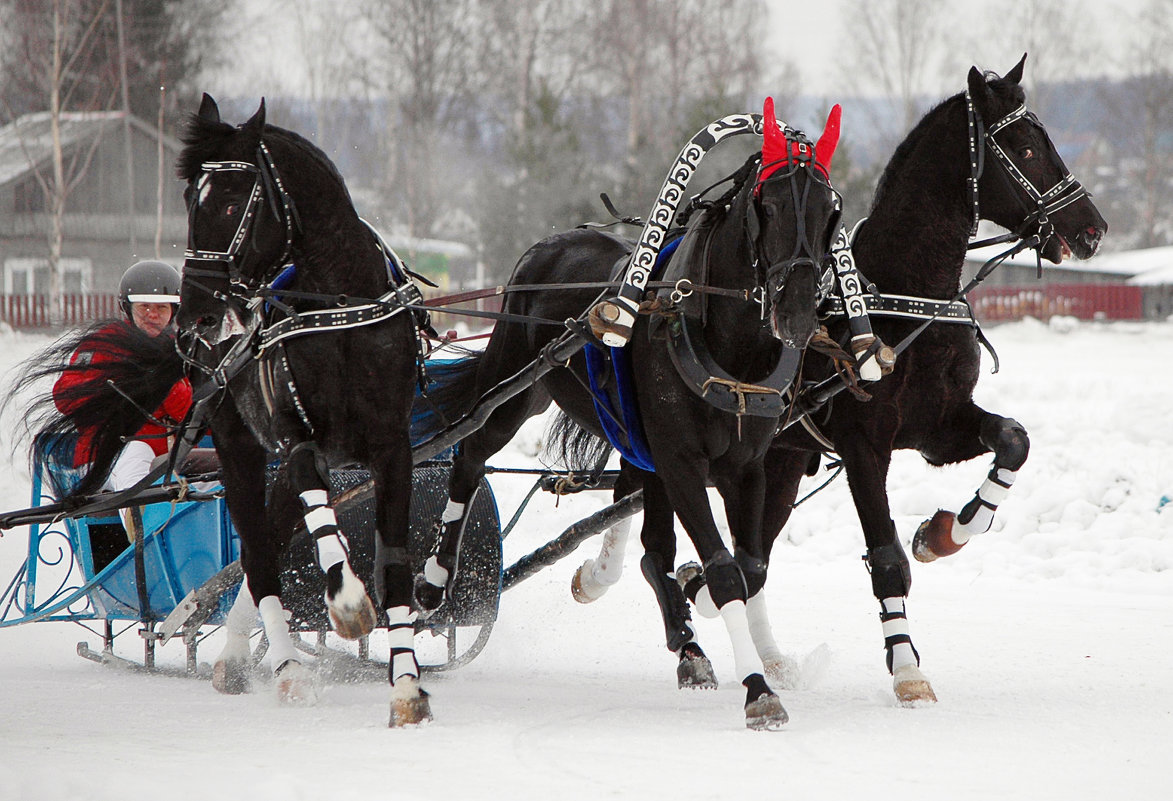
pixel 818 53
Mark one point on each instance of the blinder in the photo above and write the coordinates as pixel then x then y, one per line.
pixel 772 279
pixel 1065 191
pixel 266 183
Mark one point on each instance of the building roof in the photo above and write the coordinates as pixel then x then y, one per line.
pixel 28 141
pixel 1125 264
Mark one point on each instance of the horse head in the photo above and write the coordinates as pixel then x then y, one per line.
pixel 241 222
pixel 794 214
pixel 1021 182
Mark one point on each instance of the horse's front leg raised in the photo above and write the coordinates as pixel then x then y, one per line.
pixel 945 532
pixel 351 612
pixel 867 475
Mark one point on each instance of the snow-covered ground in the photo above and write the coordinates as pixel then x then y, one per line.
pixel 1049 642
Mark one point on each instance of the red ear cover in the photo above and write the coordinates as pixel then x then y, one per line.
pixel 825 148
pixel 773 140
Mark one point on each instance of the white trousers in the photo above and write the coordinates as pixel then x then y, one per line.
pixel 132 464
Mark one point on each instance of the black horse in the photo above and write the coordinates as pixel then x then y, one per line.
pixel 328 377
pixel 766 239
pixel 979 154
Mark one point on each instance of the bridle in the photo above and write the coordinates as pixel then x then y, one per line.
pixel 1046 203
pixel 801 155
pixel 267 184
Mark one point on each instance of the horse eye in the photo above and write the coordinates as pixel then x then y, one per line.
pixel 230 210
pixel 1027 153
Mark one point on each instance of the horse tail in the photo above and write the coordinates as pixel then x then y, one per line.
pixel 571 447
pixel 449 393
pixel 108 398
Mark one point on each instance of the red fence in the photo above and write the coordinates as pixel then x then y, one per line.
pixel 32 311
pixel 1084 301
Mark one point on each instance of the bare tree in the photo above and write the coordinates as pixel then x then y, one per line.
pixel 425 60
pixel 898 50
pixel 60 47
pixel 1142 107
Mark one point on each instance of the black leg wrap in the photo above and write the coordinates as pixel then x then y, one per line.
pixel 725 579
pixel 395 585
pixel 671 600
pixel 754 570
pixel 891 575
pixel 307 467
pixel 387 558
pixel 1007 439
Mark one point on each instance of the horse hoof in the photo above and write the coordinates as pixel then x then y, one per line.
pixel 782 672
pixel 428 596
pixel 410 710
pixel 353 622
pixel 934 537
pixel 231 676
pixel 911 686
pixel 351 612
pixel 765 714
pixel 584 586
pixel 296 684
pixel 695 671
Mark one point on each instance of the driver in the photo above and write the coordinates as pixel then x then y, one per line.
pixel 148 295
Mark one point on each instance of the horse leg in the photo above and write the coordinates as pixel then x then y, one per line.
pixel 867 473
pixel 595 576
pixel 434 584
pixel 410 704
pixel 945 532
pixel 725 578
pixel 230 673
pixel 262 538
pixel 784 470
pixel 351 612
pixel 658 536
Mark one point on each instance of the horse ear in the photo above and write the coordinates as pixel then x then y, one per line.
pixel 773 140
pixel 208 109
pixel 825 147
pixel 1015 75
pixel 978 88
pixel 256 123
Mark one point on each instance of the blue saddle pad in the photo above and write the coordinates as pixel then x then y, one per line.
pixel 618 411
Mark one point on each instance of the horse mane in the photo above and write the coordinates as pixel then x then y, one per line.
pixel 204 140
pixel 904 150
pixel 144 371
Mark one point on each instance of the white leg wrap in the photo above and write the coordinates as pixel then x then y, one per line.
pixel 760 630
pixel 745 656
pixel 453 511
pixel 608 567
pixel 704 604
pixel 331 550
pixel 239 624
pixel 276 622
pixel 401 637
pixel 991 494
pixel 312 498
pixel 434 573
pixel 902 653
